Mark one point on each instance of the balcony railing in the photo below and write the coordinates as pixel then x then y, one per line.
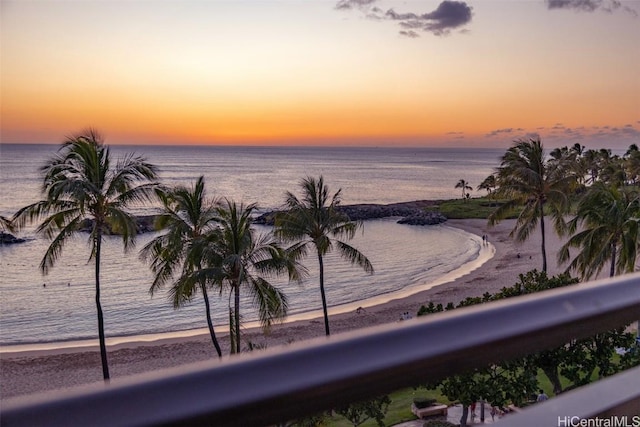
pixel 274 385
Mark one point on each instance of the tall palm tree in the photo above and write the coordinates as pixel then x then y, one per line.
pixel 609 219
pixel 245 260
pixel 189 219
pixel 465 188
pixel 81 183
pixel 526 179
pixel 315 220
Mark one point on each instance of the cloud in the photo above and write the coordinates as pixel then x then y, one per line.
pixel 350 4
pixel 448 16
pixel 411 34
pixel 558 134
pixel 497 132
pixel 609 6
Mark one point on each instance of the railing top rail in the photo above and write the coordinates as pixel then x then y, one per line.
pixel 301 379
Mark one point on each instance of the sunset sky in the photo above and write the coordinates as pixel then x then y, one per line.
pixel 347 72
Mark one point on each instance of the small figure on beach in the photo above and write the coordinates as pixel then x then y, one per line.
pixel 44 285
pixel 405 316
pixel 360 310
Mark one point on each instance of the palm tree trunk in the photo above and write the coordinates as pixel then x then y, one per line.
pixel 612 270
pixel 236 303
pixel 465 414
pixel 552 374
pixel 101 337
pixel 212 332
pixel 544 247
pixel 324 298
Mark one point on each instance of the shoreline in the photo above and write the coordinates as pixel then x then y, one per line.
pixel 29 372
pixel 485 253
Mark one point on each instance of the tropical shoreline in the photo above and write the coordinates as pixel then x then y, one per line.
pixel 25 373
pixel 485 253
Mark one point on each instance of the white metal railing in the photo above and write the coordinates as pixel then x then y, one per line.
pixel 274 385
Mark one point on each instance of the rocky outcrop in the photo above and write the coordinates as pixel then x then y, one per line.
pixel 9 239
pixel 423 218
pixel 144 224
pixel 412 213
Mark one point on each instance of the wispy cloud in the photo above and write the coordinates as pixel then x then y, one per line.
pixel 351 4
pixel 559 134
pixel 410 33
pixel 504 131
pixel 609 6
pixel 448 16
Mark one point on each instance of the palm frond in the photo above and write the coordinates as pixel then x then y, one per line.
pixel 354 256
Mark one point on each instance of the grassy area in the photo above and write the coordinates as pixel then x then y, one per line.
pixel 399 410
pixel 479 207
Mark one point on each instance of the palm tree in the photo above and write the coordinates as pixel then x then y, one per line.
pixel 315 220
pixel 527 180
pixel 590 165
pixel 609 219
pixel 488 184
pixel 189 218
pixel 81 183
pixel 465 188
pixel 245 260
pixel 631 161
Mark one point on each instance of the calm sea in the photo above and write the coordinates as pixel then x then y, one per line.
pixel 406 258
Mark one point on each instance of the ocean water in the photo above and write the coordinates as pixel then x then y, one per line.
pixel 406 258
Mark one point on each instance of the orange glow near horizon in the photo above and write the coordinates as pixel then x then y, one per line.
pixel 215 73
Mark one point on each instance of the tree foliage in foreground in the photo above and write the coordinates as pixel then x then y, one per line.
pixel 359 412
pixel 578 360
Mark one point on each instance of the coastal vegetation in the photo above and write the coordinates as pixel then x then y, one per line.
pixel 210 244
pixel 464 185
pixel 314 220
pixel 188 217
pixel 528 180
pixel 240 259
pixel 81 182
pixel 608 220
pixel 473 208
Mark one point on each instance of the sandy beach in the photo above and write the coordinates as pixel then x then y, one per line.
pixel 46 371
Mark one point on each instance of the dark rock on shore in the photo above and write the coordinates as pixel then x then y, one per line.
pixel 413 213
pixel 9 239
pixel 144 224
pixel 423 218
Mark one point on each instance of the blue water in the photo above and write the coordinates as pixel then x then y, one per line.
pixel 403 256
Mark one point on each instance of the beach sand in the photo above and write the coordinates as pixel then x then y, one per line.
pixel 50 370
